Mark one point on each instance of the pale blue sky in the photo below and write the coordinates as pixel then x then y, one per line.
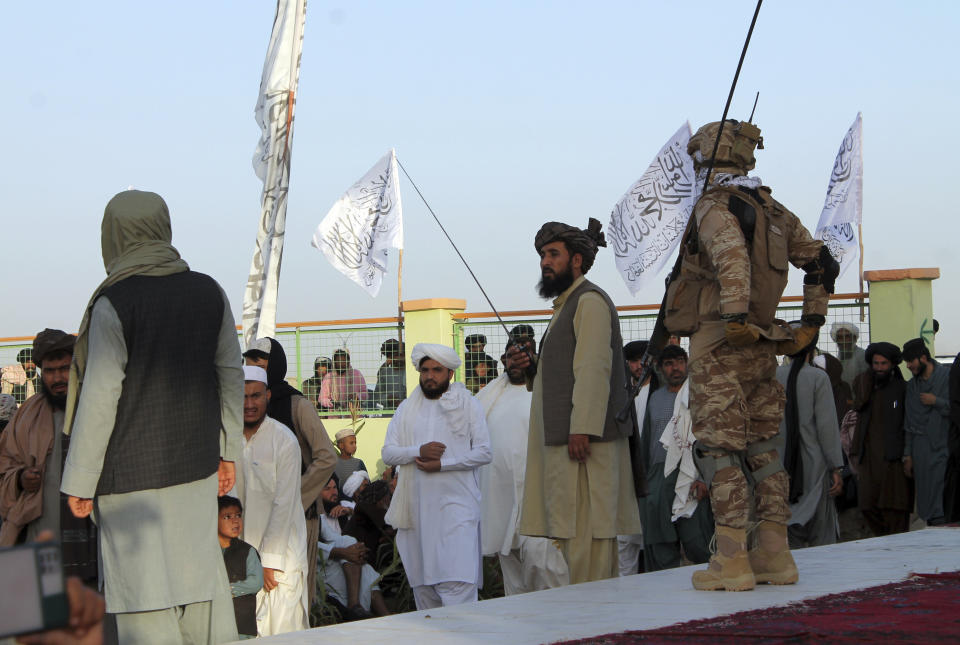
pixel 507 114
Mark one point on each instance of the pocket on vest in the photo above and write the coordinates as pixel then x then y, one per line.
pixel 776 247
pixel 682 314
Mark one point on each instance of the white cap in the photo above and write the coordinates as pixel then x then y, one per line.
pixel 254 373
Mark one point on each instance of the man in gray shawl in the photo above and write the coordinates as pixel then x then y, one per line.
pixel 154 407
pixel 811 451
pixel 926 428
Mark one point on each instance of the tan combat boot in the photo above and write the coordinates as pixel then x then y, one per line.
pixel 729 566
pixel 770 559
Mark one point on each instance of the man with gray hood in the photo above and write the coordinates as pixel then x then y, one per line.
pixel 152 443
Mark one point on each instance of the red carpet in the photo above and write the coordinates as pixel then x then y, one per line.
pixel 923 609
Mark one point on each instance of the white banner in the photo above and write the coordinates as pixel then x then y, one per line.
pixel 843 207
pixel 271 162
pixel 649 220
pixel 365 222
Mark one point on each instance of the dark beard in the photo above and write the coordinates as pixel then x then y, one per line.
pixel 59 402
pixel 31 372
pixel 553 287
pixel 329 506
pixel 881 379
pixel 435 393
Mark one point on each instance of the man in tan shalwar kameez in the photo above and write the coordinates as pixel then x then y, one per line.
pixel 579 487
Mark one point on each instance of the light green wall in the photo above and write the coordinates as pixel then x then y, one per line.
pixel 901 310
pixel 369 441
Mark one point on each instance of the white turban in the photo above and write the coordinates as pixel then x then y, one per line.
pixel 444 355
pixel 254 373
pixel 353 482
pixel 850 327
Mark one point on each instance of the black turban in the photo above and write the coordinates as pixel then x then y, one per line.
pixel 888 350
pixel 522 331
pixel 50 341
pixel 634 350
pixel 585 242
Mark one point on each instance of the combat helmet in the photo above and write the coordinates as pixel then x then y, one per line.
pixel 735 152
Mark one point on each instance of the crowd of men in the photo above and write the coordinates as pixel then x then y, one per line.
pixel 575 457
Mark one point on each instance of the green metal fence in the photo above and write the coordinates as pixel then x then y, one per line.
pixel 640 327
pixel 303 345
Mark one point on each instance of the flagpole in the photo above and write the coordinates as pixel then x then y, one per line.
pixel 860 240
pixel 400 297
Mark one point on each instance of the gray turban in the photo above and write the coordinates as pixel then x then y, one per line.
pixel 585 242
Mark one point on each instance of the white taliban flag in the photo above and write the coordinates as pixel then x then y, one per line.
pixel 843 208
pixel 649 220
pixel 271 162
pixel 365 222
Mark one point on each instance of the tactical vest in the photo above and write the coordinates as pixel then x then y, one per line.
pixel 555 369
pixel 694 295
pixel 244 607
pixel 167 428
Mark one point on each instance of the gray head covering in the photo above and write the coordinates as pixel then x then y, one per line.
pixel 135 239
pixel 8 405
pixel 585 242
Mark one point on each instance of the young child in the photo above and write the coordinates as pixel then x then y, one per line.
pixel 243 565
pixel 347 464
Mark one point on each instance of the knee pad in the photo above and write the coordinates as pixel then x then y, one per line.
pixel 758 448
pixel 710 460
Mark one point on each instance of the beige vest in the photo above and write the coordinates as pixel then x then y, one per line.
pixel 694 296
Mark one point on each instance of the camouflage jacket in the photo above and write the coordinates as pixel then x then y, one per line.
pixel 749 278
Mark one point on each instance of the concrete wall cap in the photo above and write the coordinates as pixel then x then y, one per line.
pixel 434 303
pixel 890 275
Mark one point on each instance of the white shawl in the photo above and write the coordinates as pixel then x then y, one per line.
pixel 453 402
pixel 678 440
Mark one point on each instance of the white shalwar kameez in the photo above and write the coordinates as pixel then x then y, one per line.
pixel 440 546
pixel 268 485
pixel 527 563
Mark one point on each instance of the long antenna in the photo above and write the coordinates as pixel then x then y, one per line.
pixel 660 334
pixel 472 275
pixel 733 86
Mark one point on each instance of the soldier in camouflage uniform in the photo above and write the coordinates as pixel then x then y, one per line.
pixel 733 273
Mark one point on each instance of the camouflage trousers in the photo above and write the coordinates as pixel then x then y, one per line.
pixel 736 402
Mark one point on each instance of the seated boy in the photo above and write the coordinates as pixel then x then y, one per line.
pixel 243 565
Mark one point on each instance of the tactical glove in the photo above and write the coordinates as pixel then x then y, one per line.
pixel 802 337
pixel 740 334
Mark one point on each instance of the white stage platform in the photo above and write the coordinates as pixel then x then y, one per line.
pixel 648 600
